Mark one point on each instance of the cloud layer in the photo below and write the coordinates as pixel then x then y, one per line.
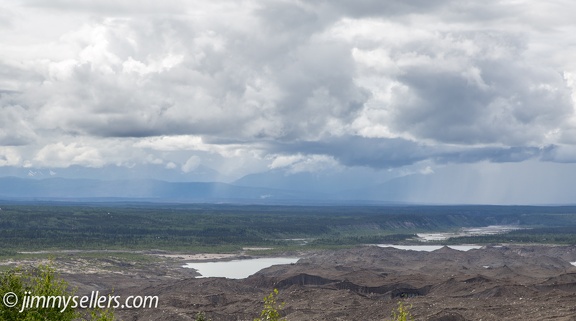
pixel 247 86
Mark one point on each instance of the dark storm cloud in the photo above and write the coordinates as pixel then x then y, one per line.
pixel 477 88
pixel 381 153
pixel 490 154
pixel 511 106
pixel 319 87
pixel 376 8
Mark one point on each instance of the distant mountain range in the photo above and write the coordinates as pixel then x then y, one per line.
pixel 278 187
pixel 138 189
pixel 149 190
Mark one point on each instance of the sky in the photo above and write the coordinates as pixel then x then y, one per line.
pixel 468 95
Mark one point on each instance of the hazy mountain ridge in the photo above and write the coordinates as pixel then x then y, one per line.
pixel 61 188
pixel 281 188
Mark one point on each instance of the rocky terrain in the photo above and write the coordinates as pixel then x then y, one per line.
pixel 364 283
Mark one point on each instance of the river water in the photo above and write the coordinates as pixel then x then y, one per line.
pixel 237 269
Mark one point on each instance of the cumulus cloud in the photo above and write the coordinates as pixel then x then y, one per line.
pixel 303 163
pixel 255 85
pixel 9 156
pixel 62 155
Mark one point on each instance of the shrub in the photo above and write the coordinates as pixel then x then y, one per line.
pixel 200 316
pixel 271 311
pixel 402 313
pixel 42 282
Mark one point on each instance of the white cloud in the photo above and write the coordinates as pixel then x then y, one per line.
pixel 171 165
pixel 304 163
pixel 61 155
pixel 9 156
pixel 152 159
pixel 172 143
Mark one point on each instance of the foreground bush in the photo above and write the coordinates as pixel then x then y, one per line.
pixel 17 284
pixel 402 313
pixel 200 316
pixel 271 311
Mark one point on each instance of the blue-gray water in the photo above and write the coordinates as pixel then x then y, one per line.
pixel 237 269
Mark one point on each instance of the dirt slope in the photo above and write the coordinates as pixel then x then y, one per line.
pixel 365 283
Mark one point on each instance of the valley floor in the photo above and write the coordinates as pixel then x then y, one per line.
pixel 363 283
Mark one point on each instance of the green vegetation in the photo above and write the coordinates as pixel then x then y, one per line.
pixel 402 313
pixel 272 308
pixel 271 311
pixel 8 253
pixel 102 315
pixel 208 227
pixel 16 285
pixel 200 316
pixel 229 228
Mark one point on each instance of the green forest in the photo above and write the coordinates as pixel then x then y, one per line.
pixel 47 226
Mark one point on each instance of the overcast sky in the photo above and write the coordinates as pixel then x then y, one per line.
pixel 378 88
